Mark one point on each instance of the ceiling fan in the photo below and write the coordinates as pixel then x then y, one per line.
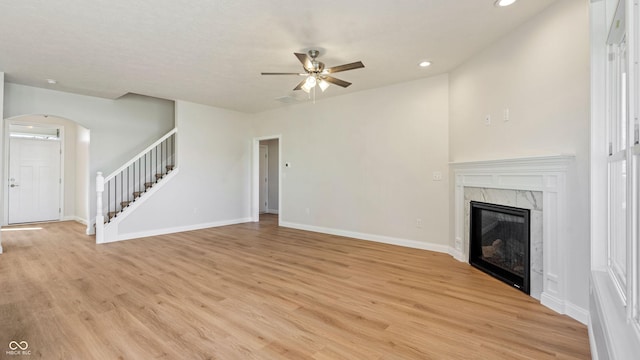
pixel 317 74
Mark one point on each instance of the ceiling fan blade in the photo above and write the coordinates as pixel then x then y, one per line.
pixel 335 81
pixel 300 85
pixel 305 60
pixel 345 67
pixel 280 73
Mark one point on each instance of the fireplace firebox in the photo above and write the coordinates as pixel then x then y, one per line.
pixel 499 242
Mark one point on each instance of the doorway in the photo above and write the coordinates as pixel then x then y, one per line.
pixel 266 201
pixel 35 180
pixel 74 177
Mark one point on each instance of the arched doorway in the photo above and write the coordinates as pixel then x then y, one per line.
pixel 37 136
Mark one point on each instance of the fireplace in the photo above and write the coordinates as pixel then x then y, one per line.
pixel 500 242
pixel 536 183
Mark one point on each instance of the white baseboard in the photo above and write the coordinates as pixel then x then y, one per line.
pixel 272 211
pixel 565 307
pixel 577 312
pixel 369 237
pixel 457 254
pixel 75 218
pixel 172 230
pixel 552 302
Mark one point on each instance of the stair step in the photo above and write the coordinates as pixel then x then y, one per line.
pixel 136 194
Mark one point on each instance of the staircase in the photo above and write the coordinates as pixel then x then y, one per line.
pixel 119 193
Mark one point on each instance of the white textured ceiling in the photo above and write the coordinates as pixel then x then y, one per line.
pixel 213 51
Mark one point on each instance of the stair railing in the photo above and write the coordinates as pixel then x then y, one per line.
pixel 122 187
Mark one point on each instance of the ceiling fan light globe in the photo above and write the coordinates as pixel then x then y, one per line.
pixel 306 88
pixel 503 3
pixel 323 84
pixel 311 82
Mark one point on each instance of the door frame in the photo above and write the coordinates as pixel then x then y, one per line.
pixel 255 178
pixel 266 173
pixel 4 184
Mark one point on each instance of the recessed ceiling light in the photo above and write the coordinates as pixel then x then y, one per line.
pixel 425 64
pixel 503 3
pixel 51 81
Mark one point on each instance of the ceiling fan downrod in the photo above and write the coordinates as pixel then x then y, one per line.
pixel 317 65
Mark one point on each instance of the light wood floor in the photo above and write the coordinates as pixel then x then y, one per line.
pixel 256 291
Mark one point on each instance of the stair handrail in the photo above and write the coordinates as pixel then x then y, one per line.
pixel 101 181
pixel 139 155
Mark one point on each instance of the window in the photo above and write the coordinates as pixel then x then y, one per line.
pixel 617 121
pixel 634 196
pixel 623 250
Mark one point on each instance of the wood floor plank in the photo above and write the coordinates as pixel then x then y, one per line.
pixel 258 291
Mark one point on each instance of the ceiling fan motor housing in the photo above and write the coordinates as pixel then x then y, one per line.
pixel 318 66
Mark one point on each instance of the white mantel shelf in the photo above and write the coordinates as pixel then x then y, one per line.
pixel 546 162
pixel 547 174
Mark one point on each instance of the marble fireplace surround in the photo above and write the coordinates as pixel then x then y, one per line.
pixel 543 176
pixel 530 200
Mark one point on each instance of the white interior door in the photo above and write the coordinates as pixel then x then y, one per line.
pixel 264 178
pixel 34 180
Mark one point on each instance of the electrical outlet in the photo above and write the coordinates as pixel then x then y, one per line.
pixel 487 119
pixel 437 176
pixel 419 223
pixel 505 114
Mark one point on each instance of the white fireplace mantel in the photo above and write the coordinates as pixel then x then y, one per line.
pixel 546 174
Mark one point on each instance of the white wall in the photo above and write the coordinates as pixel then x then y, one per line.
pixel 83 174
pixel 212 185
pixel 540 72
pixel 119 128
pixel 362 163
